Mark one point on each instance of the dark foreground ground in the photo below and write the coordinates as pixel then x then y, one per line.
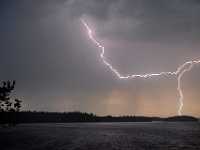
pixel 102 136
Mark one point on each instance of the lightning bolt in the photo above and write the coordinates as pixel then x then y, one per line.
pixel 180 71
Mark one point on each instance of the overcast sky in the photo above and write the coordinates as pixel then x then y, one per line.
pixel 45 48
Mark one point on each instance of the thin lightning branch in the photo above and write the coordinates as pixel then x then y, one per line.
pixel 181 70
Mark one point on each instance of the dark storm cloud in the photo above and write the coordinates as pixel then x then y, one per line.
pixel 39 50
pixel 157 19
pixel 174 24
pixel 38 34
pixel 96 8
pixel 44 47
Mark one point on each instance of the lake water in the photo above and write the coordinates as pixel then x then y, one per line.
pixel 102 136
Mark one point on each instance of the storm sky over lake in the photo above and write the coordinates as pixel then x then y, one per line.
pixel 46 49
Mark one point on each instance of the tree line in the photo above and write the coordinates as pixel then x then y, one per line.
pixel 67 117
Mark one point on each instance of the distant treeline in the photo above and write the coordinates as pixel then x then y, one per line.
pixel 57 117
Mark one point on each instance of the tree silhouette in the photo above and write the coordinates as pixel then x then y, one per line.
pixel 6 104
pixel 17 105
pixel 9 107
